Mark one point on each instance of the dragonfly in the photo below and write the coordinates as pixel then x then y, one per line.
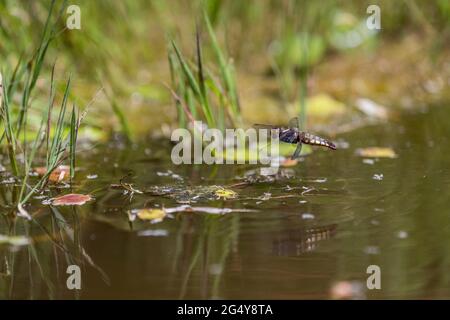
pixel 292 134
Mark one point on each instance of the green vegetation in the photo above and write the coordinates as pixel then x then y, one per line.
pixel 125 44
pixel 216 95
pixel 22 118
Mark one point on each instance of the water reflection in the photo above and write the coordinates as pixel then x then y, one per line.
pixel 298 242
pixel 38 270
pixel 308 233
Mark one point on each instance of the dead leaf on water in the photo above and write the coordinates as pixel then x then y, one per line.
pixel 376 152
pixel 59 174
pixel 72 199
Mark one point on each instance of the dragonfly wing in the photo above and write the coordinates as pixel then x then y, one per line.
pixel 297 151
pixel 264 126
pixel 294 123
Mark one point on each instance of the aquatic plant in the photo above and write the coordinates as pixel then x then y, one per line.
pixel 57 140
pixel 216 95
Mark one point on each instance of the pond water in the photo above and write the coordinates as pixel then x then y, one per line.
pixel 316 224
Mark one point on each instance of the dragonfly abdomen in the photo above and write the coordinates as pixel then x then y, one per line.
pixel 314 140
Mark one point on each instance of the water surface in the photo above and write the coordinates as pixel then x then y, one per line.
pixel 323 221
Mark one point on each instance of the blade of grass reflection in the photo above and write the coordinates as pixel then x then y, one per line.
pixel 12 260
pixel 76 233
pixel 185 224
pixel 205 264
pixel 30 275
pixel 53 226
pixel 230 241
pixel 193 262
pixel 71 234
pixel 36 258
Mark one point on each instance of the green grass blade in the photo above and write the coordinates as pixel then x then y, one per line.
pixel 194 86
pixel 226 71
pixel 73 140
pixel 179 88
pixel 9 132
pixel 55 150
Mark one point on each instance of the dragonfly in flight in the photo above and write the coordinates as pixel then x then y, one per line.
pixel 292 134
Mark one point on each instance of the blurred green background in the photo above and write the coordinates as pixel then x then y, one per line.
pixel 281 52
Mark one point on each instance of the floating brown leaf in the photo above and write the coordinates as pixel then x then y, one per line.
pixel 60 173
pixel 72 199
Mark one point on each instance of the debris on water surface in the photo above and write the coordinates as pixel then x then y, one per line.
pixel 267 174
pixel 402 234
pixel 372 250
pixel 153 233
pixel 72 199
pixel 127 188
pixel 9 180
pixel 186 194
pixel 157 215
pixel 268 171
pixel 91 176
pixel 307 216
pixel 371 108
pixel 169 173
pixel 368 161
pixel 347 290
pixel 376 152
pixel 341 144
pixel 210 210
pixel 266 196
pixel 378 177
pixel 14 240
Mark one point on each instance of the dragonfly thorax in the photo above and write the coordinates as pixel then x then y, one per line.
pixel 289 135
